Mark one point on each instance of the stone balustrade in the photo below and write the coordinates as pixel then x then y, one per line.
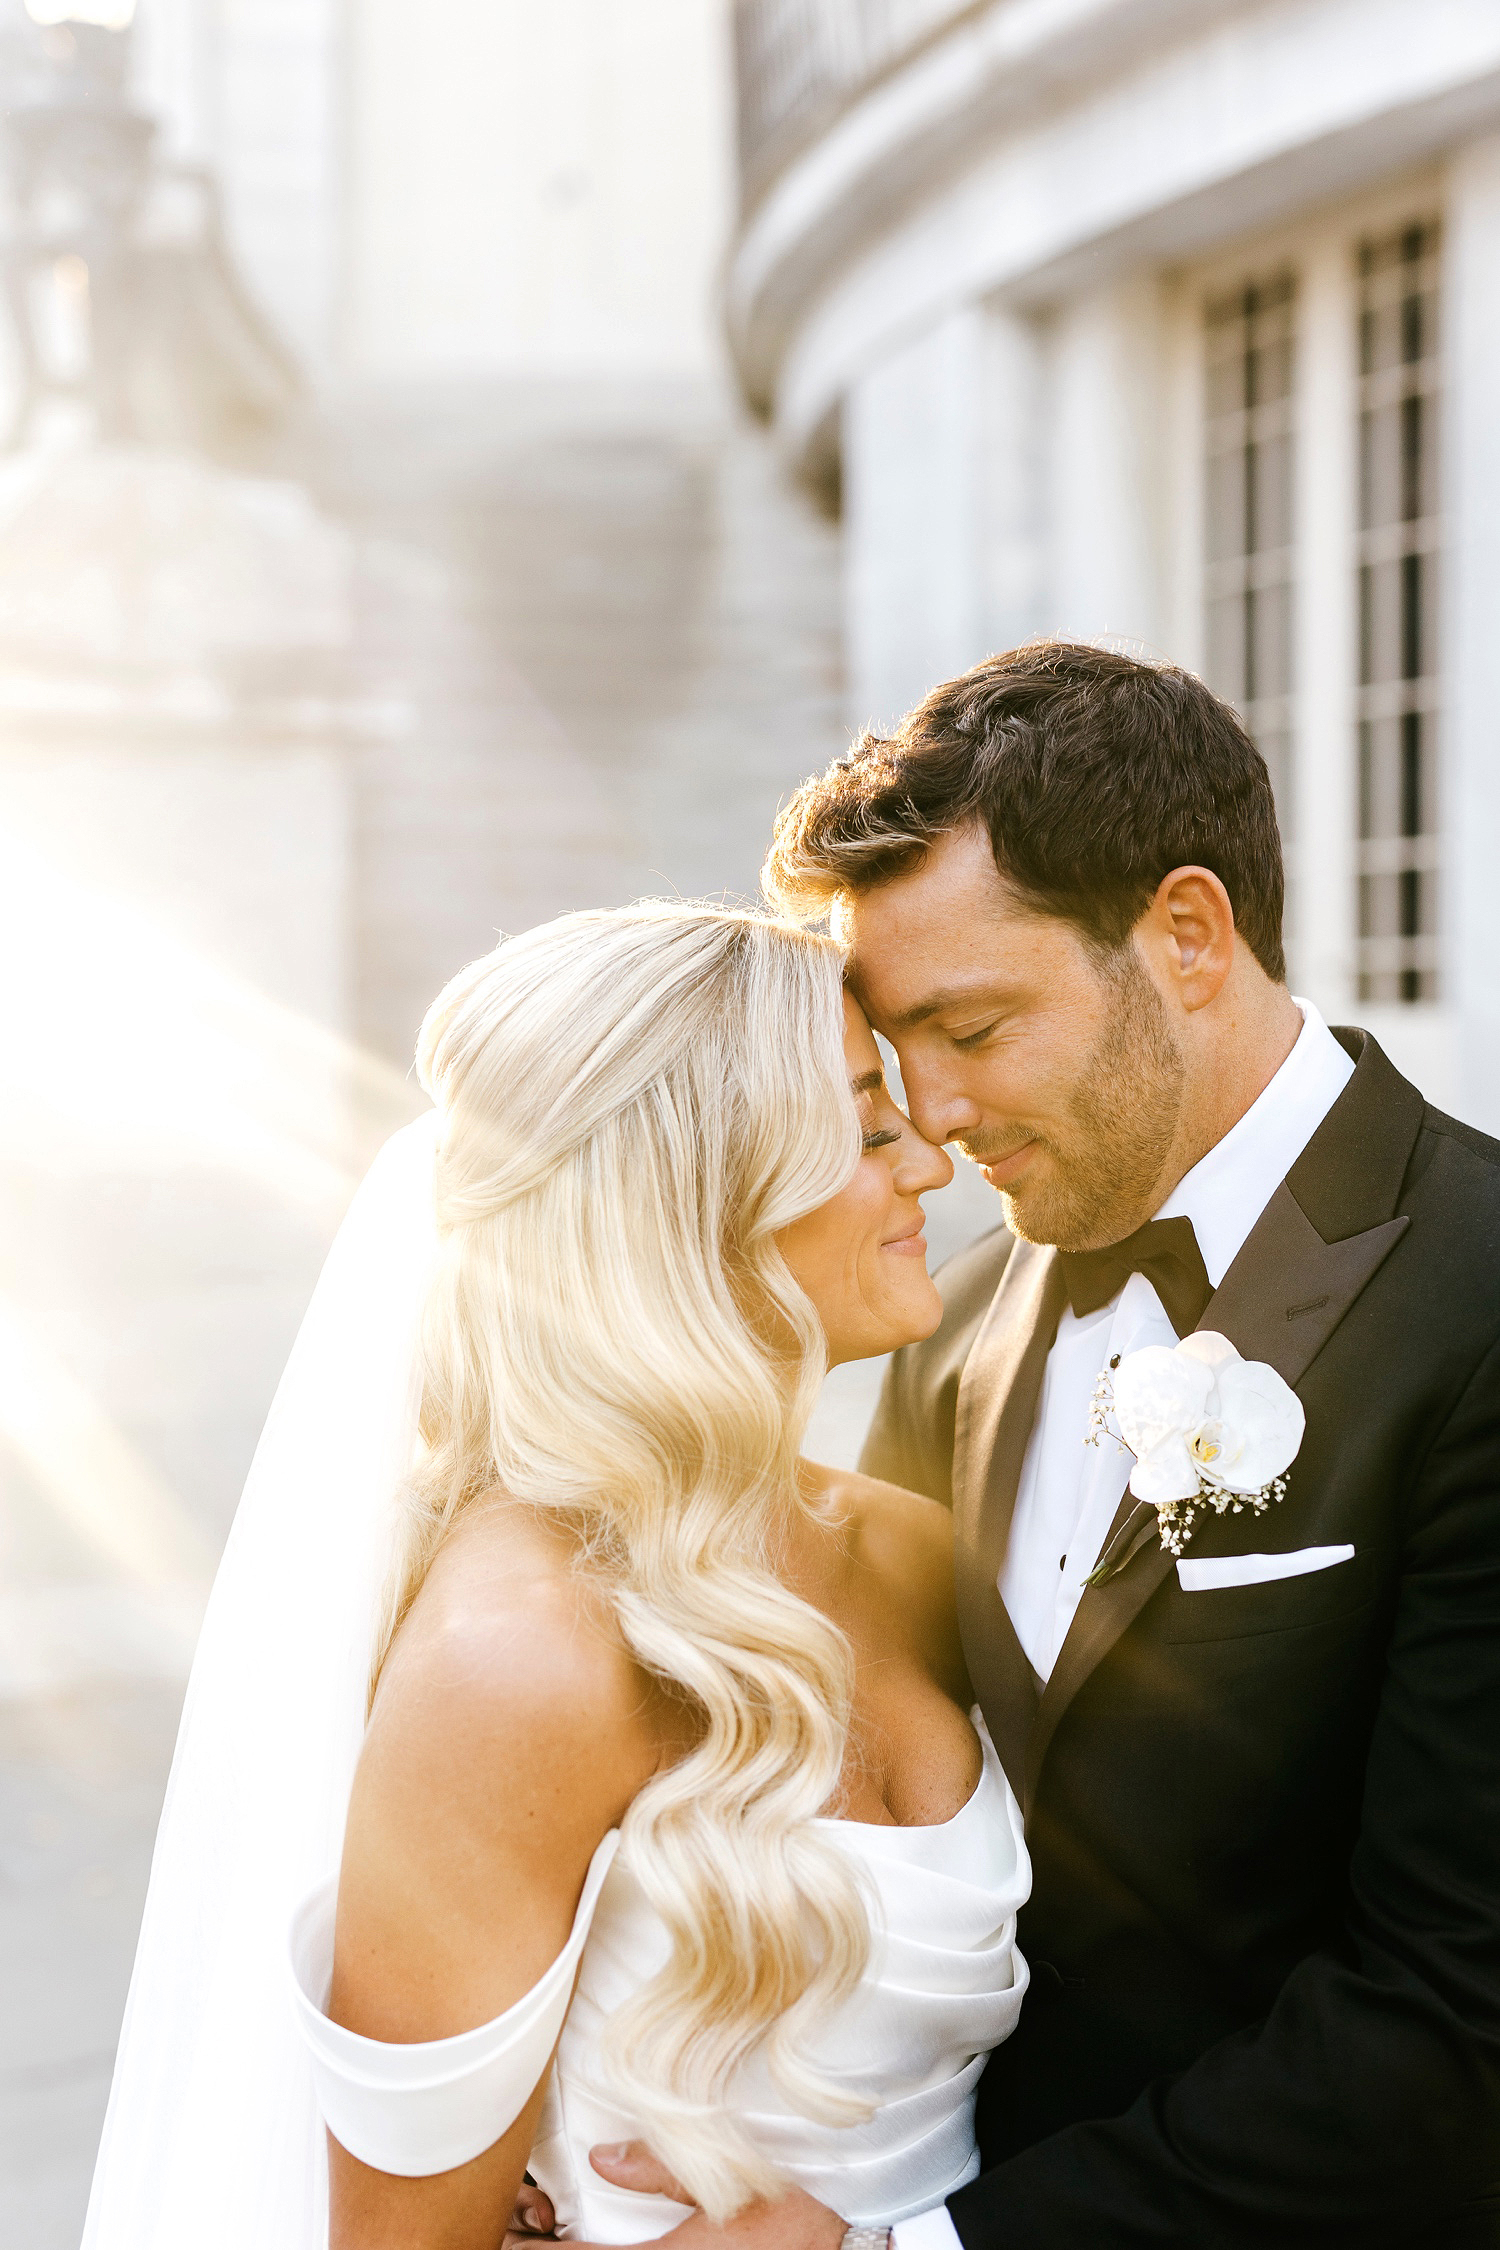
pixel 800 61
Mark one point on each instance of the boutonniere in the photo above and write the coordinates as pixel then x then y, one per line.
pixel 1207 1428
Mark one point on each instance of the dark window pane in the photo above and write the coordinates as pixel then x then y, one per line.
pixel 1366 624
pixel 1226 647
pixel 1366 778
pixel 1411 773
pixel 1250 347
pixel 1399 504
pixel 1412 456
pixel 1268 482
pixel 1411 327
pixel 1411 617
pixel 1268 652
pixel 1225 499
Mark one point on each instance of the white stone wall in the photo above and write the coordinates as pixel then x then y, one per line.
pixel 1005 475
pixel 475 186
pixel 1106 446
pixel 537 189
pixel 1472 559
pixel 949 523
pixel 913 519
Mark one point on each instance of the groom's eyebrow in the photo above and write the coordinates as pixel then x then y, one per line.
pixel 936 1002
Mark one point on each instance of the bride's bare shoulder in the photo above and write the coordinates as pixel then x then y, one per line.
pixel 895 1532
pixel 509 1732
pixel 903 1543
pixel 508 1684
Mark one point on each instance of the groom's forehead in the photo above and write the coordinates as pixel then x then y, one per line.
pixel 940 928
pixel 952 905
pixel 954 886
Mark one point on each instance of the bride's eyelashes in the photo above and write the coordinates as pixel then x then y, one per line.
pixel 873 1136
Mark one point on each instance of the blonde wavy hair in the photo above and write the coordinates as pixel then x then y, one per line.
pixel 633 1104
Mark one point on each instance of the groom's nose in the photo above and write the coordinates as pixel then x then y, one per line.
pixel 937 1102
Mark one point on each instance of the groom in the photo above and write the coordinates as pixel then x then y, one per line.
pixel 1261 1782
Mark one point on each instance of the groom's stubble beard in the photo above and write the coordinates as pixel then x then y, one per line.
pixel 1108 1159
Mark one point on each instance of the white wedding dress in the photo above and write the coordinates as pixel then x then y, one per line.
pixel 215 2124
pixel 943 1987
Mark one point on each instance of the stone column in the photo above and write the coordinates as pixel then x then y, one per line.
pixel 1012 434
pixel 1321 849
pixel 1471 768
pixel 1106 486
pixel 939 445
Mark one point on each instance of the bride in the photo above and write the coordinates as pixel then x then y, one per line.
pixel 668 1820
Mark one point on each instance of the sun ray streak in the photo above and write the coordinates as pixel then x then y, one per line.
pixel 96 1479
pixel 121 1046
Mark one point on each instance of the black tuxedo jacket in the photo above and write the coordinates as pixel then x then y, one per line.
pixel 1264 1819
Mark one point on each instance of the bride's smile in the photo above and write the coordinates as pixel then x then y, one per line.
pixel 862 1255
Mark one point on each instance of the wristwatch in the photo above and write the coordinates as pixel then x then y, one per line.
pixel 866 2238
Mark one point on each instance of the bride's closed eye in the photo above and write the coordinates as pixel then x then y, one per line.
pixel 865 1088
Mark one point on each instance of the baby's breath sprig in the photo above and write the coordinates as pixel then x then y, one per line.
pixel 1101 1406
pixel 1176 1518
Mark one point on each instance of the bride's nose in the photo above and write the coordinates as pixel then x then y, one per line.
pixel 919 1165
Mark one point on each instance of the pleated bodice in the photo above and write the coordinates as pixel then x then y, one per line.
pixel 943 1986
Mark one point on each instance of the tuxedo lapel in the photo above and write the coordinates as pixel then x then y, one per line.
pixel 1330 1225
pixel 1321 1238
pixel 1288 1289
pixel 997 1401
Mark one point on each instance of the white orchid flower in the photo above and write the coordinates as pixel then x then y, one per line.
pixel 1200 1415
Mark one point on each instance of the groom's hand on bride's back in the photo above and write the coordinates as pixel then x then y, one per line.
pixel 532 2219
pixel 793 2222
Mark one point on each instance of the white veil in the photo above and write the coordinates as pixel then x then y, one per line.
pixel 213 2133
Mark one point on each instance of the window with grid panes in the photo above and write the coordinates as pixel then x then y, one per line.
pixel 1399 378
pixel 1250 342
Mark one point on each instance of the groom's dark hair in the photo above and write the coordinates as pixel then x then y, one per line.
pixel 1094 773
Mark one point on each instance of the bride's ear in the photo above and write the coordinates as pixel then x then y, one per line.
pixel 1192 923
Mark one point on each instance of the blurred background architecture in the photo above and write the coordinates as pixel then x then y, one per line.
pixel 390 554
pixel 1178 323
pixel 385 561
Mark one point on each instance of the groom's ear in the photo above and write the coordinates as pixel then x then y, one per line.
pixel 1189 930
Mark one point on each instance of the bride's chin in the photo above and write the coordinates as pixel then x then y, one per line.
pixel 915 1322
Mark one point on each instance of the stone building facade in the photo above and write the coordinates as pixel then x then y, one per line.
pixel 1179 323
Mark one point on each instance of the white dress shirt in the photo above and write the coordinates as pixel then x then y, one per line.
pixel 1069 1491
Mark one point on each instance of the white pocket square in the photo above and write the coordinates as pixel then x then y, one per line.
pixel 1196 1575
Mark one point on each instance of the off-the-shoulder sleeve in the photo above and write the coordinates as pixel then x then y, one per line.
pixel 417 2110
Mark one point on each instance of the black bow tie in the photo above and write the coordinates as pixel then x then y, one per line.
pixel 1165 1251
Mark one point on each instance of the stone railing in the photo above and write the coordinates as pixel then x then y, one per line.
pixel 798 62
